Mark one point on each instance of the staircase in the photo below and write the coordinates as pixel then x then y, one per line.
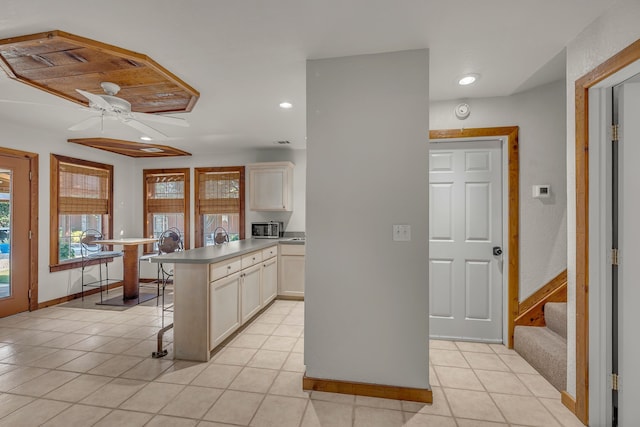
pixel 545 347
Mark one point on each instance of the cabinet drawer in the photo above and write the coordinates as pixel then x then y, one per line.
pixel 286 249
pixel 251 259
pixel 269 252
pixel 224 268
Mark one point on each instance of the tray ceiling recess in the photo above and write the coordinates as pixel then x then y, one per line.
pixel 59 63
pixel 129 148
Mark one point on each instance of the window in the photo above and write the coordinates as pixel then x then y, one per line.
pixel 81 198
pixel 166 202
pixel 219 203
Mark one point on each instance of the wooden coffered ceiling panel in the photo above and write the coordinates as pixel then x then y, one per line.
pixel 59 63
pixel 130 148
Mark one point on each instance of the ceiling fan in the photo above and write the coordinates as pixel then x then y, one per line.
pixel 112 107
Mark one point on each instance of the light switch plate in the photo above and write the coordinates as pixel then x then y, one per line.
pixel 401 232
pixel 541 191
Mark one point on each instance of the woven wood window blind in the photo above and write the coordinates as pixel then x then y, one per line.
pixel 83 190
pixel 5 182
pixel 165 193
pixel 219 192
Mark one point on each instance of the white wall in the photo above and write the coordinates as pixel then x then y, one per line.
pixel 366 296
pixel 606 36
pixel 128 193
pixel 58 284
pixel 540 115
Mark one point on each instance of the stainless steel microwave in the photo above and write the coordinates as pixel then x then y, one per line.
pixel 267 230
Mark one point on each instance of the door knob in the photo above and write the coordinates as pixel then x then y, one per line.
pixel 497 250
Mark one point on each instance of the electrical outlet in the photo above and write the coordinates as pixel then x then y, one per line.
pixel 401 232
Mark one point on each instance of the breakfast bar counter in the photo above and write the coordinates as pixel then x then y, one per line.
pixel 217 289
pixel 217 253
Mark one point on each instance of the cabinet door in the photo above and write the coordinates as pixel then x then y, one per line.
pixel 270 189
pixel 250 301
pixel 269 280
pixel 224 304
pixel 291 276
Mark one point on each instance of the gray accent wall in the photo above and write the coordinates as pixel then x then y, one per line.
pixel 367 296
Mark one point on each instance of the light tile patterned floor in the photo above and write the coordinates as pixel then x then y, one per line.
pixel 66 366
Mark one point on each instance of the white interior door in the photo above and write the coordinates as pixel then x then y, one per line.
pixel 465 224
pixel 629 268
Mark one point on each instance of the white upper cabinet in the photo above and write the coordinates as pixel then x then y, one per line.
pixel 271 186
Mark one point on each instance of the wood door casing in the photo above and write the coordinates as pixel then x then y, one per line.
pixel 23 255
pixel 513 195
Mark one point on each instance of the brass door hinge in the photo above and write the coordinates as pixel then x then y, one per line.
pixel 614 133
pixel 614 382
pixel 615 256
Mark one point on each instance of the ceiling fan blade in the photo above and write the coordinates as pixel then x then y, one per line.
pixel 174 121
pixel 145 129
pixel 96 99
pixel 86 123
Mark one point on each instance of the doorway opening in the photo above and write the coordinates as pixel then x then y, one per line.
pixel 466 229
pixel 593 317
pixel 512 247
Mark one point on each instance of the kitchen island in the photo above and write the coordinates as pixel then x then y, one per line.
pixel 217 289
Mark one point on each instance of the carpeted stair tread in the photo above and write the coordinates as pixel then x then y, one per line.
pixel 545 350
pixel 555 316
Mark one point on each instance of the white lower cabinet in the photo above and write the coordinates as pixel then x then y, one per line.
pixel 269 280
pixel 291 274
pixel 250 301
pixel 224 306
pixel 239 288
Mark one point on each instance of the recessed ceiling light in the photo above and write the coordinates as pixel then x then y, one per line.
pixel 468 79
pixel 146 138
pixel 286 105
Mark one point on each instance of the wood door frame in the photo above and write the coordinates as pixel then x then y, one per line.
pixel 617 62
pixel 513 238
pixel 33 220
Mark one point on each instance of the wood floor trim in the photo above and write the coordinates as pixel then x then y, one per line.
pixel 543 292
pixel 617 62
pixel 71 297
pixel 513 239
pixel 568 401
pixel 534 315
pixel 370 390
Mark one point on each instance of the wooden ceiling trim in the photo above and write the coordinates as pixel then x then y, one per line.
pixel 129 148
pixel 59 63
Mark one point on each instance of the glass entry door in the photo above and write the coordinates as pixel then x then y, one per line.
pixel 14 235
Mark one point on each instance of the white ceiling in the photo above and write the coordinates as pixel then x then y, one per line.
pixel 246 56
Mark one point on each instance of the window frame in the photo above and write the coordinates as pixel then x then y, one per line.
pixel 54 261
pixel 148 228
pixel 198 218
